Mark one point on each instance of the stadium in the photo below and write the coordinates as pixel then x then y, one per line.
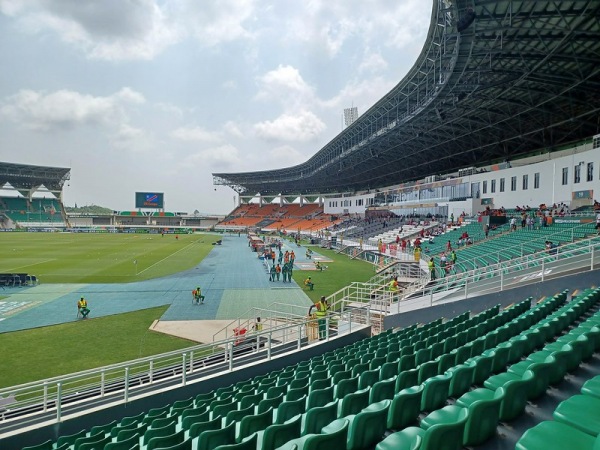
pixel 452 229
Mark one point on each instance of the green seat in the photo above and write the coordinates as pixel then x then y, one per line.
pixel 125 435
pixel 274 436
pixel 201 398
pixel 462 379
pixel 446 361
pixel 541 380
pixel 158 412
pixel 581 412
pixel 368 378
pixel 248 444
pixel 316 418
pixel 116 429
pixel 254 423
pixel 267 403
pixel 482 418
pixel 91 442
pixel 296 393
pixel 159 432
pixel 251 400
pixel 422 356
pixel 592 387
pixel 70 439
pixel 276 391
pixel 405 408
pixel 406 379
pixel 179 406
pixel 407 362
pixel 223 410
pixel 354 402
pixel 162 422
pixel 210 439
pixel 188 421
pixel 384 389
pixel 427 370
pixel 238 414
pixel 320 397
pixel 365 428
pixel 166 441
pixel 552 435
pixel 199 427
pixel 335 439
pixel 345 387
pixel 483 368
pixel 388 370
pixel 435 392
pixel 515 396
pixel 126 444
pixel 288 409
pixel 443 436
pixel 106 428
pixel 360 368
pixel 341 375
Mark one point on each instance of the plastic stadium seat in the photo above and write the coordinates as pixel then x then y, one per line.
pixel 388 370
pixel 368 378
pixel 189 420
pixel 384 389
pixel 435 392
pixel 335 439
pixel 267 403
pixel 407 362
pixel 592 387
pixel 199 427
pixel 354 402
pixel 320 397
pixel 462 378
pixel 552 435
pixel 159 432
pixel 483 368
pixel 345 387
pixel 162 422
pixel 123 445
pixel 276 435
pixel 581 412
pixel 541 372
pixel 238 414
pixel 213 438
pixel 482 418
pixel 316 418
pixel 70 439
pixel 296 393
pixel 276 391
pixel 248 444
pixel 106 428
pixel 342 375
pixel 405 408
pixel 407 378
pixel 251 424
pixel 446 361
pixel 166 441
pixel 126 435
pixel 427 370
pixel 98 440
pixel 289 409
pixel 116 429
pixel 447 436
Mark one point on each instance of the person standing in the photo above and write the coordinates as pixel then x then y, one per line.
pixel 431 266
pixel 277 271
pixel 272 273
pixel 321 308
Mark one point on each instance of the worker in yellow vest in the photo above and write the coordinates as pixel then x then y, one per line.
pixel 321 308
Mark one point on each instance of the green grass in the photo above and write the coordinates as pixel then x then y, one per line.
pixel 340 273
pixel 46 352
pixel 100 258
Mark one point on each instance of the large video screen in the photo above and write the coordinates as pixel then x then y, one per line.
pixel 149 200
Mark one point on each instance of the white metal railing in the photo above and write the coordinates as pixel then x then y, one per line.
pixel 578 256
pixel 56 398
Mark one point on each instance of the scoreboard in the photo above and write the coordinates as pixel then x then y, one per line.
pixel 150 200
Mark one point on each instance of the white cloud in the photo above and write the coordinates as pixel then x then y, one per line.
pixel 284 84
pixel 233 129
pixel 195 134
pixel 372 63
pixel 66 109
pixel 301 127
pixel 221 158
pixel 125 30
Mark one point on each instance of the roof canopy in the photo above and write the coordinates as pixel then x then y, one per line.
pixel 26 179
pixel 524 76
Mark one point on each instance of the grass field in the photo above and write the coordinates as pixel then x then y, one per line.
pixel 100 258
pixel 45 352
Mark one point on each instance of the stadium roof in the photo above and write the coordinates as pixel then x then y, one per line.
pixel 25 178
pixel 524 76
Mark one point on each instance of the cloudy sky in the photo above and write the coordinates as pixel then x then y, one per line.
pixel 155 95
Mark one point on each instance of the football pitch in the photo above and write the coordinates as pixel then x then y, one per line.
pixel 101 257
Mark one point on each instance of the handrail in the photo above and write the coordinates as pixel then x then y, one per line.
pixel 55 398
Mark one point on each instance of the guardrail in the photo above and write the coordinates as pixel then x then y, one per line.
pixel 577 256
pixel 54 399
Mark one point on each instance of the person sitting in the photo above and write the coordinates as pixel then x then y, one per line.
pixel 197 294
pixel 308 283
pixel 82 308
pixel 308 253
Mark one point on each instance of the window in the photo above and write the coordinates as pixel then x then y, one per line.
pixel 501 184
pixel 536 180
pixel 565 176
pixel 525 182
pixel 485 187
pixel 590 171
pixel 577 173
pixel 513 183
pixel 493 186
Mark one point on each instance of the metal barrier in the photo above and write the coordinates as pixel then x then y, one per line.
pixel 53 399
